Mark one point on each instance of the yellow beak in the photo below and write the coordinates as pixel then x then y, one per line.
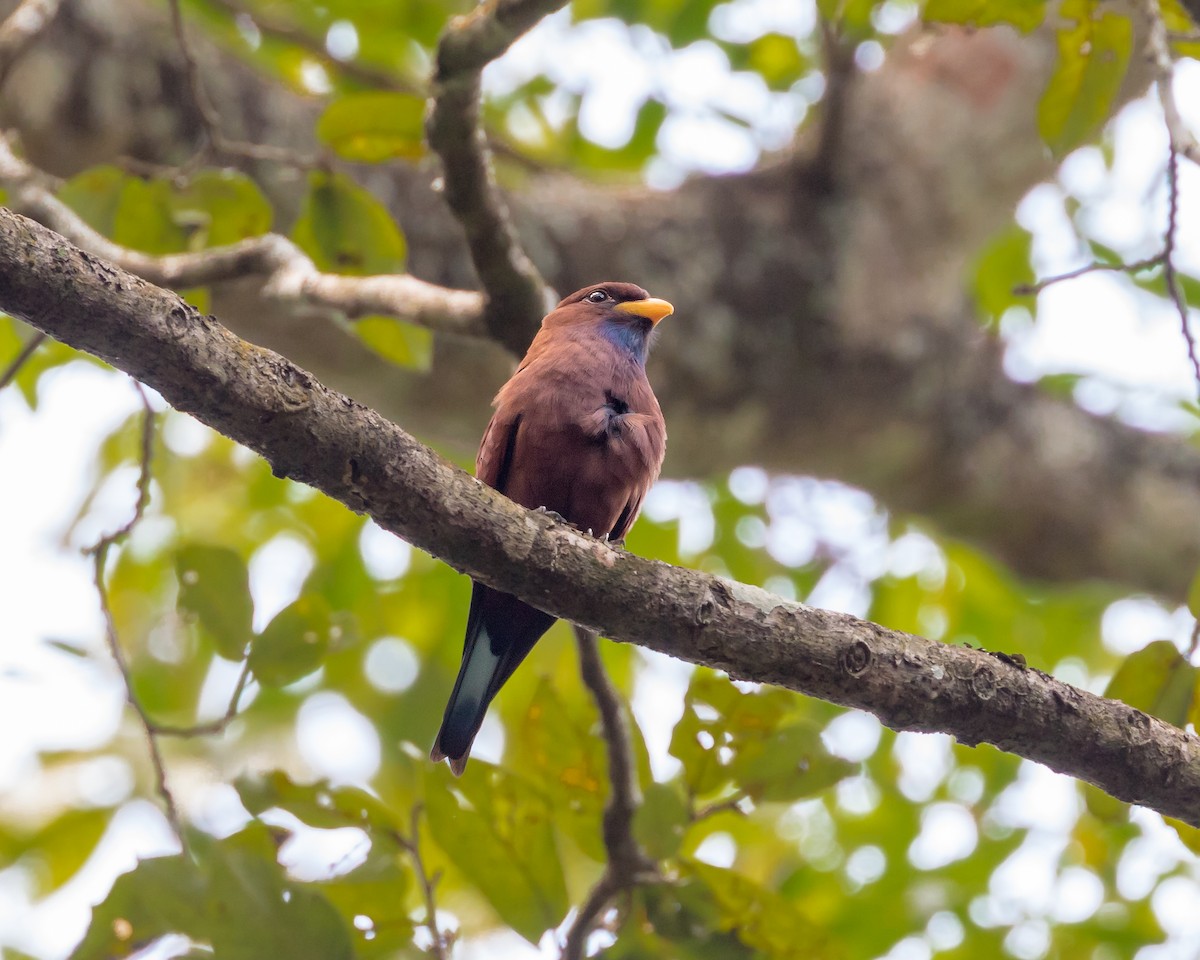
pixel 652 309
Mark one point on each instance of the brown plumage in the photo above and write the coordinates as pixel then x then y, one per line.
pixel 577 431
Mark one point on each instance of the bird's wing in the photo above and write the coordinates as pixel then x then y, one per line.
pixel 494 460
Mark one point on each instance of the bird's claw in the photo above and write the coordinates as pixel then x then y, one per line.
pixel 555 515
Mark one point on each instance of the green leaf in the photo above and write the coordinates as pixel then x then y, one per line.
pixel 254 911
pixel 718 722
pixel 659 823
pixel 1025 15
pixel 220 207
pixel 1193 597
pixel 1004 265
pixel 316 804
pixel 1157 680
pixel 159 896
pixel 346 230
pixel 374 126
pixel 497 830
pixel 775 57
pixel 145 218
pixel 55 853
pixel 404 344
pixel 1092 58
pixel 293 644
pixel 214 590
pixel 375 890
pixel 761 918
pixel 95 195
pixel 566 762
pixel 790 764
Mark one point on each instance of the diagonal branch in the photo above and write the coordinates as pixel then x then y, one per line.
pixel 515 289
pixel 317 436
pixel 287 273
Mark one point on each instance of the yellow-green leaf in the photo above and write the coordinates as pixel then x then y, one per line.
pixel 1025 15
pixel 374 126
pixel 1092 58
pixel 404 344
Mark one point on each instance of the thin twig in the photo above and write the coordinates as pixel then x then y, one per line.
pixel 288 275
pixel 442 941
pixel 210 119
pixel 1182 143
pixel 627 864
pixel 21 28
pixel 1033 289
pixel 515 289
pixel 212 727
pixel 27 351
pixel 732 805
pixel 1174 289
pixel 99 555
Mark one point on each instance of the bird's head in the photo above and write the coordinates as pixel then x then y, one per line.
pixel 623 312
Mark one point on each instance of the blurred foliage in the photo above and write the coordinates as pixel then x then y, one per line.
pixel 783 826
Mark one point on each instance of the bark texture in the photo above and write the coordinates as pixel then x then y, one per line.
pixel 822 324
pixel 318 436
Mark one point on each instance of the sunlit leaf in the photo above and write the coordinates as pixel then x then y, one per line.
pixel 1025 15
pixel 404 344
pixel 1093 56
pixel 374 126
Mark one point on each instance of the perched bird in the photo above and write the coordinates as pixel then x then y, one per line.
pixel 578 432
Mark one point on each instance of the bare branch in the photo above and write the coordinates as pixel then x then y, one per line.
pixel 1182 143
pixel 1159 46
pixel 288 274
pixel 99 555
pixel 213 727
pixel 442 942
pixel 515 289
pixel 317 436
pixel 627 865
pixel 217 141
pixel 21 28
pixel 1033 289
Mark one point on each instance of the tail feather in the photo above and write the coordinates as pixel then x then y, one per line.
pixel 501 630
pixel 469 701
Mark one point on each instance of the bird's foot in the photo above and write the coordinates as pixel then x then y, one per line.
pixel 555 515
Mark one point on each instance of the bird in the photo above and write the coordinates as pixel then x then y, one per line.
pixel 578 433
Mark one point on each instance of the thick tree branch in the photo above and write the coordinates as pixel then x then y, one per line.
pixel 811 312
pixel 317 436
pixel 286 272
pixel 515 289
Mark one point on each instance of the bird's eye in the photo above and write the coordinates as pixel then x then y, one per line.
pixel 597 296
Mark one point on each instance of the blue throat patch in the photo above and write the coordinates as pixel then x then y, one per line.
pixel 632 337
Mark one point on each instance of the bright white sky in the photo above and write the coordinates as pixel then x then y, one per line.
pixel 1127 343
